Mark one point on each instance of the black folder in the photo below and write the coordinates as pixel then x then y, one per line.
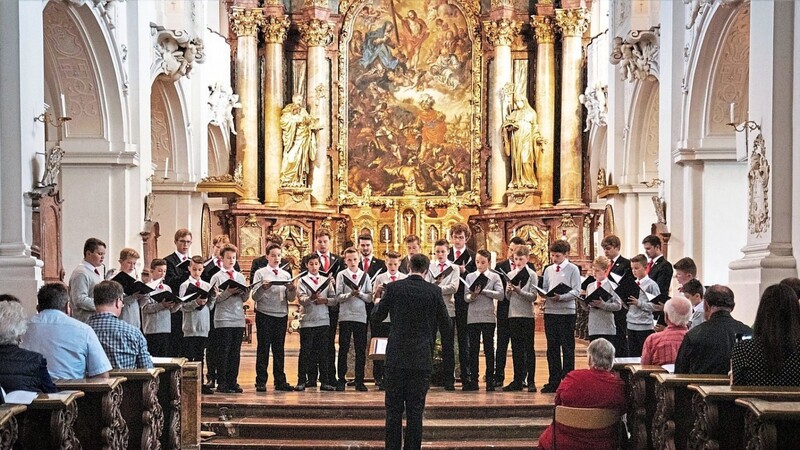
pixel 521 279
pixel 598 294
pixel 561 289
pixel 480 282
pixel 352 284
pixel 463 260
pixel 321 288
pixel 193 289
pixel 130 285
pixel 589 280
pixel 444 274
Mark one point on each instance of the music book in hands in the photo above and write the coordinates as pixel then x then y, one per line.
pixel 377 348
pixel 463 260
pixel 598 294
pixel 352 284
pixel 131 285
pixel 659 299
pixel 184 265
pixel 521 278
pixel 587 281
pixel 444 274
pixel 380 271
pixel 560 289
pixel 280 282
pixel 235 284
pixel 480 282
pixel 167 296
pixel 321 288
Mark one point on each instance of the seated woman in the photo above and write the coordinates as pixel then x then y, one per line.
pixel 595 387
pixel 772 356
pixel 21 370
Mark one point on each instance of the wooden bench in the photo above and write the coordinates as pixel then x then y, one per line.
pixel 100 424
pixel 140 407
pixel 169 395
pixel 9 429
pixel 671 430
pixel 769 424
pixel 190 405
pixel 718 422
pixel 641 403
pixel 49 422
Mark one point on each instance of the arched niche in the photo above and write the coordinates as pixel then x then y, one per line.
pixel 598 145
pixel 641 137
pixel 169 136
pixel 218 151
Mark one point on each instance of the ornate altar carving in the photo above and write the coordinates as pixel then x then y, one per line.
pixel 245 21
pixel 572 22
pixel 543 29
pixel 758 174
pixel 52 167
pixel 294 244
pixel 176 52
pixel 222 101
pixel 275 29
pixel 174 423
pixel 637 54
pixel 316 33
pixel 251 237
pixel 501 32
pixel 594 99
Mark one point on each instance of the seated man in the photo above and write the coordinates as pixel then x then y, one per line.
pixel 70 346
pixel 707 347
pixel 124 345
pixel 662 347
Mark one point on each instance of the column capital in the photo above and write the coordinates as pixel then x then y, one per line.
pixel 245 21
pixel 501 32
pixel 275 28
pixel 573 22
pixel 544 29
pixel 316 33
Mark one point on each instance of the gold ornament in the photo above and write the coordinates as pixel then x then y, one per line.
pixel 543 29
pixel 275 28
pixel 316 33
pixel 573 22
pixel 245 21
pixel 501 32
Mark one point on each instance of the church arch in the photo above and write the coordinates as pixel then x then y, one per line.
pixel 641 134
pixel 169 134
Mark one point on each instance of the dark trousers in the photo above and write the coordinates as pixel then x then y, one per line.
pixel 406 389
pixel 176 335
pixel 271 335
pixel 193 348
pixel 621 339
pixel 462 334
pixel 358 332
pixel 229 354
pixel 333 312
pixel 379 330
pixel 158 344
pixel 559 329
pixel 636 342
pixel 211 351
pixel 313 353
pixel 608 337
pixel 448 353
pixel 521 330
pixel 476 331
pixel 501 354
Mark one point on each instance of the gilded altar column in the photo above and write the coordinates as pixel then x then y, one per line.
pixel 245 23
pixel 544 31
pixel 500 33
pixel 274 27
pixel 316 34
pixel 573 23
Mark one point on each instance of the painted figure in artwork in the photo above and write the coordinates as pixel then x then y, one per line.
pixel 299 143
pixel 523 143
pixel 377 45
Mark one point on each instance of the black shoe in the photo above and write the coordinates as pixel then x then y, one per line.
pixel 340 387
pixel 206 390
pixel 489 387
pixel 300 387
pixel 381 387
pixel 311 384
pixel 531 388
pixel 260 387
pixel 548 389
pixel 327 387
pixel 351 383
pixel 513 387
pixel 285 387
pixel 224 390
pixel 236 389
pixel 498 382
pixel 361 387
pixel 449 387
pixel 469 387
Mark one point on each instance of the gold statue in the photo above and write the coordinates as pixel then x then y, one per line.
pixel 523 143
pixel 299 143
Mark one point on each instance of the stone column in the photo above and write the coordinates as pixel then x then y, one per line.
pixel 500 33
pixel 22 84
pixel 573 23
pixel 317 34
pixel 274 29
pixel 769 254
pixel 245 23
pixel 544 32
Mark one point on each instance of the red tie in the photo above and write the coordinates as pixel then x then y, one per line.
pixel 393 278
pixel 160 286
pixel 324 262
pixel 366 264
pixel 275 271
pixel 638 284
pixel 219 263
pixel 97 271
pixel 649 266
pixel 197 284
pixel 354 277
pixel 230 274
pixel 458 254
pixel 441 268
pixel 315 280
pixel 558 268
pixel 599 283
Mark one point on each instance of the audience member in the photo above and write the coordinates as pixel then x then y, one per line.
pixel 124 345
pixel 70 346
pixel 693 290
pixel 88 273
pixel 707 347
pixel 595 387
pixel 662 348
pixel 772 356
pixel 21 370
pixel 793 283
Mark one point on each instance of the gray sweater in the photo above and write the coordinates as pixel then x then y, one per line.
pixel 196 322
pixel 383 279
pixel 353 308
pixel 568 274
pixel 228 309
pixel 520 304
pixel 481 306
pixel 314 315
pixel 273 300
pixel 157 318
pixel 448 284
pixel 601 319
pixel 640 318
pixel 81 284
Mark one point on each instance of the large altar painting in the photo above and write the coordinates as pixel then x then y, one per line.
pixel 409 99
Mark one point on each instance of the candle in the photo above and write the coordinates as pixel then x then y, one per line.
pixel 514 231
pixel 733 112
pixel 63 106
pixel 644 169
pixel 301 234
pixel 433 234
pixel 166 167
pixel 386 235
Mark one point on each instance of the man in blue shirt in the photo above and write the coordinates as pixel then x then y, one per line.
pixel 70 346
pixel 125 346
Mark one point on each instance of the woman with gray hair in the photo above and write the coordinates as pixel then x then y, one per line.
pixel 21 370
pixel 595 387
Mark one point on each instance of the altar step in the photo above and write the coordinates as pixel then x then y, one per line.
pixel 297 444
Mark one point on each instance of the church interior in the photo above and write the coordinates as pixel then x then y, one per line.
pixel 548 120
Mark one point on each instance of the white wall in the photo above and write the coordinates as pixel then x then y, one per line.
pixel 724 214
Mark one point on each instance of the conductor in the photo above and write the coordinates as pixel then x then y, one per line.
pixel 416 307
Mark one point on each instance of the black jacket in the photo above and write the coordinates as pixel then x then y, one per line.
pixel 175 277
pixel 707 347
pixel 417 308
pixel 470 267
pixel 661 273
pixel 24 370
pixel 375 265
pixel 336 264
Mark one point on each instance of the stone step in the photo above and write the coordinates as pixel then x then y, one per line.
pixel 325 444
pixel 373 429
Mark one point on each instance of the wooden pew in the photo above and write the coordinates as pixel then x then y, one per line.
pixel 671 430
pixel 641 403
pixel 9 429
pixel 191 385
pixel 769 424
pixel 100 424
pixel 49 422
pixel 169 395
pixel 140 407
pixel 718 422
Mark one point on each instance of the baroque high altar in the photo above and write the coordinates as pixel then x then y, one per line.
pixel 398 117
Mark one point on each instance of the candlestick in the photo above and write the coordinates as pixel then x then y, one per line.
pixel 433 234
pixel 733 113
pixel 166 167
pixel 63 105
pixel 386 234
pixel 301 234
